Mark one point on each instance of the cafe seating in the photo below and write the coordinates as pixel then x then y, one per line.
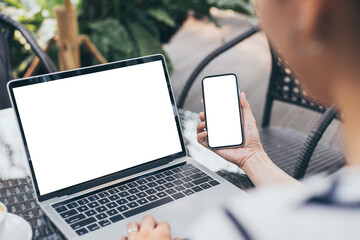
pixel 296 153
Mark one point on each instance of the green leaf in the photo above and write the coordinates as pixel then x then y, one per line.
pixel 162 16
pixel 146 43
pixel 14 3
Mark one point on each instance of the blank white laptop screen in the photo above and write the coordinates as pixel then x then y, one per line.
pixel 84 127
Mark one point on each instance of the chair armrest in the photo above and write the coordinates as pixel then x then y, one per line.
pixel 312 140
pixel 209 58
pixel 48 64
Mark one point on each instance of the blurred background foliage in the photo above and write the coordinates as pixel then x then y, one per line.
pixel 119 29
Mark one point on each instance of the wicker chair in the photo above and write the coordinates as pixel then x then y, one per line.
pixel 294 152
pixel 7 28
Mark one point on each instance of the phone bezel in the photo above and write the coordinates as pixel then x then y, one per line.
pixel 240 111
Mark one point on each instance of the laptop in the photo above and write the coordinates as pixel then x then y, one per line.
pixel 105 147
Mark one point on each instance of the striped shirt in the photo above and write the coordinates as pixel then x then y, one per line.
pixel 328 208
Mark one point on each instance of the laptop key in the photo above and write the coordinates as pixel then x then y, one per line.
pixel 116 218
pixel 178 195
pixel 141 181
pixel 176 170
pixel 93 204
pixel 104 223
pixel 81 231
pixel 169 178
pixel 150 179
pixel 161 194
pixel 103 194
pixel 142 201
pixel 170 191
pixel 93 198
pixel 152 198
pixel 168 173
pixel 152 184
pixel 75 218
pixel 159 175
pixel 150 191
pixel 72 205
pixel 93 227
pixel 82 201
pixel 132 185
pixel 196 175
pixel 112 212
pixel 82 208
pixel 186 179
pixel 186 173
pixel 146 207
pixel 124 194
pixel 114 197
pixel 122 208
pixel 133 190
pixel 132 205
pixel 68 213
pixel 101 216
pixel 178 182
pixel 188 192
pixel 186 167
pixel 131 198
pixel 202 180
pixel 101 209
pixel 90 213
pixel 178 175
pixel 195 170
pixel 188 185
pixel 141 195
pixel 197 189
pixel 160 188
pixel 83 223
pixel 179 188
pixel 122 201
pixel 111 205
pixel 214 182
pixel 160 181
pixel 61 209
pixel 205 186
pixel 143 187
pixel 104 201
pixel 113 191
pixel 169 185
pixel 123 188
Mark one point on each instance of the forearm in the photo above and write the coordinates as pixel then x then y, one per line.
pixel 261 170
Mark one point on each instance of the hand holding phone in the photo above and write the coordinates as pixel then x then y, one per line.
pixel 222 111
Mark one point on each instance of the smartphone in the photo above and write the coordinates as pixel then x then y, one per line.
pixel 222 109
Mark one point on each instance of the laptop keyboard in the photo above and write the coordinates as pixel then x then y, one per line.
pixel 106 206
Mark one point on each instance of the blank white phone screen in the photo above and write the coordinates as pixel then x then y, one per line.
pixel 222 109
pixel 84 127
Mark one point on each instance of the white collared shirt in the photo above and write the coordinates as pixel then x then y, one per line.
pixel 329 208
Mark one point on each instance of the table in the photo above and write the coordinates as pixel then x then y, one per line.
pixel 17 192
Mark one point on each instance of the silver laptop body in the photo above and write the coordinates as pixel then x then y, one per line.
pixel 105 147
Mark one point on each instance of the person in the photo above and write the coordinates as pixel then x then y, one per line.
pixel 320 41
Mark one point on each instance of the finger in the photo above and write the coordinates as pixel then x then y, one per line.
pixel 148 223
pixel 132 234
pixel 163 227
pixel 177 238
pixel 201 137
pixel 163 230
pixel 200 127
pixel 202 116
pixel 202 101
pixel 247 112
pixel 124 238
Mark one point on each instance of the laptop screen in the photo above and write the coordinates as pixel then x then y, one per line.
pixel 84 127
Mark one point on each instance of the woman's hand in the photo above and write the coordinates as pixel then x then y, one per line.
pixel 149 229
pixel 252 146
